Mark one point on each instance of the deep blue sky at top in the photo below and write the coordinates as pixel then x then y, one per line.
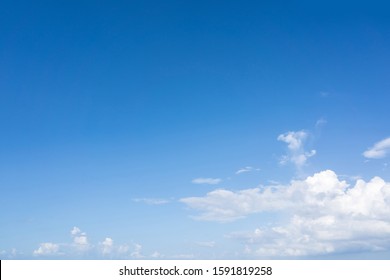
pixel 144 96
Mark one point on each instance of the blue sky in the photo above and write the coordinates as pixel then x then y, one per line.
pixel 194 129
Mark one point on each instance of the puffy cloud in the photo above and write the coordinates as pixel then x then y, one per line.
pixel 224 205
pixel 325 213
pixel 80 239
pixel 107 246
pixel 247 169
pixel 297 155
pixel 380 149
pixel 46 249
pixel 209 181
pixel 75 231
pixel 80 246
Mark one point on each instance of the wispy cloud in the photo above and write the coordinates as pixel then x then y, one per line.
pixel 380 149
pixel 152 201
pixel 321 122
pixel 247 169
pixel 326 215
pixel 209 181
pixel 295 144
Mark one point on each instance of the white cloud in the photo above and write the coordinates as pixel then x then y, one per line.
pixel 225 205
pixel 80 246
pixel 107 246
pixel 209 181
pixel 9 254
pixel 297 154
pixel 326 215
pixel 80 239
pixel 46 249
pixel 380 149
pixel 75 231
pixel 123 249
pixel 152 201
pixel 156 255
pixel 137 253
pixel 247 169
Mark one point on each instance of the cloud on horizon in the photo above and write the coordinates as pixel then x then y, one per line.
pixel 326 215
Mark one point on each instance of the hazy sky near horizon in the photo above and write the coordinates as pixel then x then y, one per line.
pixel 194 129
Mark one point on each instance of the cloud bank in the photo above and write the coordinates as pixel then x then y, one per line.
pixel 324 215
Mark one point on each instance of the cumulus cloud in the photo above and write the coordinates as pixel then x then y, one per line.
pixel 295 144
pixel 247 169
pixel 326 215
pixel 224 205
pixel 80 240
pixel 80 246
pixel 380 149
pixel 46 249
pixel 209 181
pixel 107 246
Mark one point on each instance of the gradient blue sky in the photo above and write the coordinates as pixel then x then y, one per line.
pixel 120 119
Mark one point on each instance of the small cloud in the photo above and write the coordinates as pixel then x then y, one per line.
pixel 80 240
pixel 152 201
pixel 9 254
pixel 297 154
pixel 107 245
pixel 209 181
pixel 137 253
pixel 247 169
pixel 46 249
pixel 75 231
pixel 321 122
pixel 123 249
pixel 380 149
pixel 156 255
